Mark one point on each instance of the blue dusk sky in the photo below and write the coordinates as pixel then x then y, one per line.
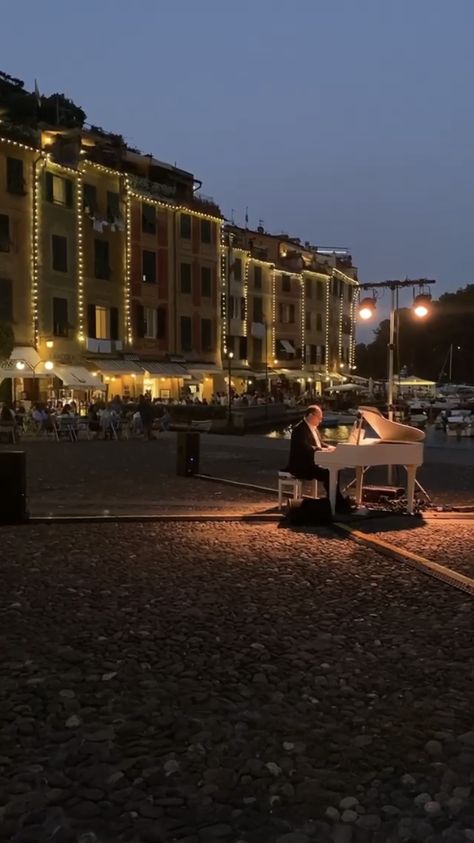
pixel 344 122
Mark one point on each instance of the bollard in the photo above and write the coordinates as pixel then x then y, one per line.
pixel 13 487
pixel 187 453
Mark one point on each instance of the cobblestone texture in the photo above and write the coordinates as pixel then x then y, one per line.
pixel 227 682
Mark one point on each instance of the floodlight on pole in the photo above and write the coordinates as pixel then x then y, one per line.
pixel 367 308
pixel 421 305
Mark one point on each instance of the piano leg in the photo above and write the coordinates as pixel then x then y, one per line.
pixel 333 478
pixel 411 475
pixel 359 483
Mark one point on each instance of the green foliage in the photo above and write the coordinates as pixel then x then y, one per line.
pixel 423 345
pixel 7 340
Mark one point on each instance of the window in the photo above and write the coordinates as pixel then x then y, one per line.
pixel 149 322
pixel 58 190
pixel 346 325
pixel 307 288
pixel 242 348
pixel 161 323
pixel 15 180
pixel 60 320
pixel 242 308
pixel 312 353
pixel 205 231
pixel 186 334
pixel 206 335
pixel 257 277
pixel 286 313
pixel 320 354
pixel 113 206
pixel 89 198
pixel 238 269
pixel 4 233
pixel 319 322
pixel 286 283
pixel 59 249
pixel 307 320
pixel 349 293
pixel 6 300
pixel 258 309
pixel 186 278
pixel 148 218
pixel 206 286
pixel 101 259
pixel 102 319
pixel 149 267
pixel 185 226
pixel 319 290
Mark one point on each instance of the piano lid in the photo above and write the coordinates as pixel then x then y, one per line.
pixel 390 431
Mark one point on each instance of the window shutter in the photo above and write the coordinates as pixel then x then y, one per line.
pixel 91 329
pixel 6 300
pixel 161 323
pixel 114 323
pixel 48 185
pixel 68 187
pixel 139 321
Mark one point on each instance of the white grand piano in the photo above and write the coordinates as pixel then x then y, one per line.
pixel 396 444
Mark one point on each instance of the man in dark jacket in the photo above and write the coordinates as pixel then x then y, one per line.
pixel 305 441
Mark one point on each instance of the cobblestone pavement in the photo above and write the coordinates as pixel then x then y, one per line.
pixel 450 543
pixel 232 683
pixel 64 476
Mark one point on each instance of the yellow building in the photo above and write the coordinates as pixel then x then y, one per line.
pixel 288 312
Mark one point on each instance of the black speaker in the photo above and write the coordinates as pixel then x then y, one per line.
pixel 187 453
pixel 13 487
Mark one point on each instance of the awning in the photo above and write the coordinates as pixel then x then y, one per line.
pixel 77 377
pixel 287 346
pixel 205 368
pixel 117 367
pixel 164 370
pixel 24 362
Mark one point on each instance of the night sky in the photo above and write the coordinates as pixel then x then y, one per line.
pixel 345 122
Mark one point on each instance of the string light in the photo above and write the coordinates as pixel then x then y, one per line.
pixel 184 208
pixel 341 314
pixel 246 259
pixel 303 306
pixel 128 262
pixel 223 286
pixel 328 285
pixel 19 145
pixel 35 252
pixel 80 257
pixel 273 352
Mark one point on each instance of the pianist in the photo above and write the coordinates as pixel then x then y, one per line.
pixel 305 440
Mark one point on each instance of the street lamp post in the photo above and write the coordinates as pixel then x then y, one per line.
pixel 421 309
pixel 367 311
pixel 230 355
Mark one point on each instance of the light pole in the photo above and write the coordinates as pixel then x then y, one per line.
pixel 367 308
pixel 230 355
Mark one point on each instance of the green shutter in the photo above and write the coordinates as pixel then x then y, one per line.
pixel 68 193
pixel 48 186
pixel 114 323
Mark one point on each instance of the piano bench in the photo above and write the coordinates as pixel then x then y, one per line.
pixel 287 484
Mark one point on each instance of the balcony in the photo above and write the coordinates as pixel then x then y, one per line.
pixel 151 188
pixel 204 204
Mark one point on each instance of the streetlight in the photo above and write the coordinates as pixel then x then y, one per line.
pixel 421 308
pixel 230 355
